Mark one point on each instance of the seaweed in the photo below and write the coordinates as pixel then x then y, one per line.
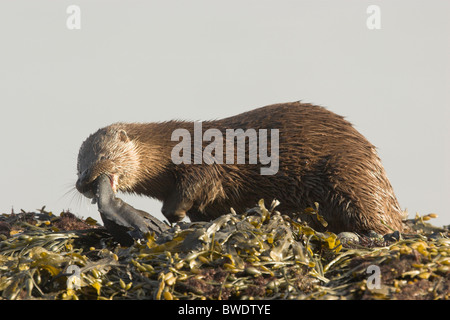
pixel 257 254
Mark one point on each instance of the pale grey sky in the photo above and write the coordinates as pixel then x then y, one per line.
pixel 199 60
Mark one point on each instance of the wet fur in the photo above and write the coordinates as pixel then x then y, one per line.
pixel 322 159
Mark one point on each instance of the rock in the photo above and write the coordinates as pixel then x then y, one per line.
pixel 346 237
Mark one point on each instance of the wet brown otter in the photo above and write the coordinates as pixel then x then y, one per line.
pixel 322 158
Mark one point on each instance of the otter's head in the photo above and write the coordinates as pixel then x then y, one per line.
pixel 109 151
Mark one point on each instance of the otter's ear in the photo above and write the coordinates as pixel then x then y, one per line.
pixel 122 135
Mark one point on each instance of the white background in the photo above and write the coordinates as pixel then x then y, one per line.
pixel 198 60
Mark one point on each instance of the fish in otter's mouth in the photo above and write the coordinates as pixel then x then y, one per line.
pixel 88 188
pixel 123 221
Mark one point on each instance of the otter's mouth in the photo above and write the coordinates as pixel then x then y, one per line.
pixel 88 189
pixel 113 181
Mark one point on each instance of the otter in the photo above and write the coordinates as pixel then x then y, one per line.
pixel 322 159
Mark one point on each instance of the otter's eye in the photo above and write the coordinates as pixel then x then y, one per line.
pixel 103 158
